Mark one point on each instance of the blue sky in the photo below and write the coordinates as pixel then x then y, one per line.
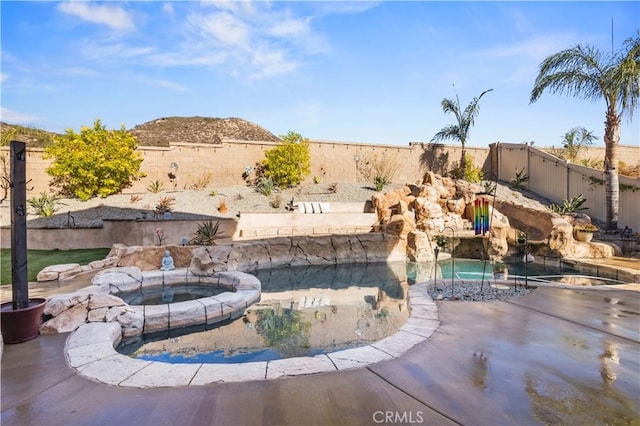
pixel 371 72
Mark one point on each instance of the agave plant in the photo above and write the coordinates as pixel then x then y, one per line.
pixel 45 205
pixel 206 233
pixel 570 205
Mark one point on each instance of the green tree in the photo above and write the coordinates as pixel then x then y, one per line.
pixel 574 140
pixel 460 131
pixel 588 73
pixel 94 162
pixel 289 162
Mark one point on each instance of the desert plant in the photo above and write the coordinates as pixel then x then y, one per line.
pixel 213 193
pixel 288 163
pixel 521 237
pixel 489 187
pixel 165 205
pixel 629 170
pixel 333 188
pixel 201 182
pixel 265 185
pixel 155 186
pixel 134 198
pixel 276 202
pixel 460 130
pixel 379 170
pixel 379 182
pixel 222 206
pixel 499 267
pixel 45 205
pixel 573 141
pixel 570 205
pixel 441 240
pixel 205 234
pixel 520 179
pixel 94 162
pixel 316 179
pixel 586 227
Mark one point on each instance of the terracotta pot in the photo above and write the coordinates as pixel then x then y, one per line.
pixel 22 324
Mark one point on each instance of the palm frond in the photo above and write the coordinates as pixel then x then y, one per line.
pixel 450 132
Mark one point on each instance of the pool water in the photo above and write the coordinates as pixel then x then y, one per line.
pixel 168 294
pixel 313 310
pixel 303 311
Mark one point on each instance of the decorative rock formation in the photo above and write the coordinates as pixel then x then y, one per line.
pixel 59 272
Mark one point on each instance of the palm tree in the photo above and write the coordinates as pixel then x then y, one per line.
pixel 588 73
pixel 574 140
pixel 459 131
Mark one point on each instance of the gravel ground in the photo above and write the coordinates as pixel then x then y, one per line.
pixel 471 291
pixel 200 205
pixel 189 204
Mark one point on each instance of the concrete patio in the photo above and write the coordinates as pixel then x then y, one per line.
pixel 557 355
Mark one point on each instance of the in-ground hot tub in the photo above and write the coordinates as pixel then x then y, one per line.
pixel 228 295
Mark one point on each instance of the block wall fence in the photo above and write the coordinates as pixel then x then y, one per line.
pixel 225 163
pixel 331 161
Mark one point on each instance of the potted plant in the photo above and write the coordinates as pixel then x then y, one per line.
pixel 441 241
pixel 19 319
pixel 584 231
pixel 521 237
pixel 500 271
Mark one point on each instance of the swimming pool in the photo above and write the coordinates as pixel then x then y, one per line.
pixel 312 310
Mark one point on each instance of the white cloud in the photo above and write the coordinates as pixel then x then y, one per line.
pixel 535 48
pixel 3 77
pixel 168 9
pixel 113 16
pixel 224 27
pixel 79 71
pixel 9 116
pixel 169 85
pixel 291 28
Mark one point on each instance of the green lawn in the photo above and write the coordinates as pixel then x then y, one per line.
pixel 37 260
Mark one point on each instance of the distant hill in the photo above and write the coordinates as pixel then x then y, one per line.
pixel 160 132
pixel 212 130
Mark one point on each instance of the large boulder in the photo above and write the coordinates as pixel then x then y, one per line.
pixel 59 272
pixel 419 247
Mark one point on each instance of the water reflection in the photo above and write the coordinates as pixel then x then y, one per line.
pixel 303 311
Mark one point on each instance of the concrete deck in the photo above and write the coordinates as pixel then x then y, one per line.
pixel 569 356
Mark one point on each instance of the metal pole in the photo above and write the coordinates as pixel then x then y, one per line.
pixel 453 257
pixel 18 184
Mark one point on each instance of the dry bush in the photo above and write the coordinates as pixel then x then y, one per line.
pixel 134 198
pixel 222 206
pixel 165 205
pixel 629 170
pixel 333 188
pixel 276 202
pixel 379 169
pixel 201 182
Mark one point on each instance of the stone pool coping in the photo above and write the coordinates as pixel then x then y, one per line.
pixel 90 351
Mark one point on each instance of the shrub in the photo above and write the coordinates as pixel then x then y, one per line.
pixel 94 162
pixel 378 169
pixel 45 205
pixel 520 179
pixel 134 198
pixel 206 233
pixel 586 227
pixel 571 205
pixel 276 202
pixel 222 206
pixel 472 172
pixel 333 188
pixel 316 179
pixel 288 163
pixel 201 182
pixel 155 186
pixel 165 205
pixel 265 185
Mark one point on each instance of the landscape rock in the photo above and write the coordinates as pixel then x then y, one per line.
pixel 55 272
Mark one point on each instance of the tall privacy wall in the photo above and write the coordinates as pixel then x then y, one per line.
pixel 557 179
pixel 224 164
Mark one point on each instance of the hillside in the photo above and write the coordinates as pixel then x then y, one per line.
pixel 160 132
pixel 208 130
